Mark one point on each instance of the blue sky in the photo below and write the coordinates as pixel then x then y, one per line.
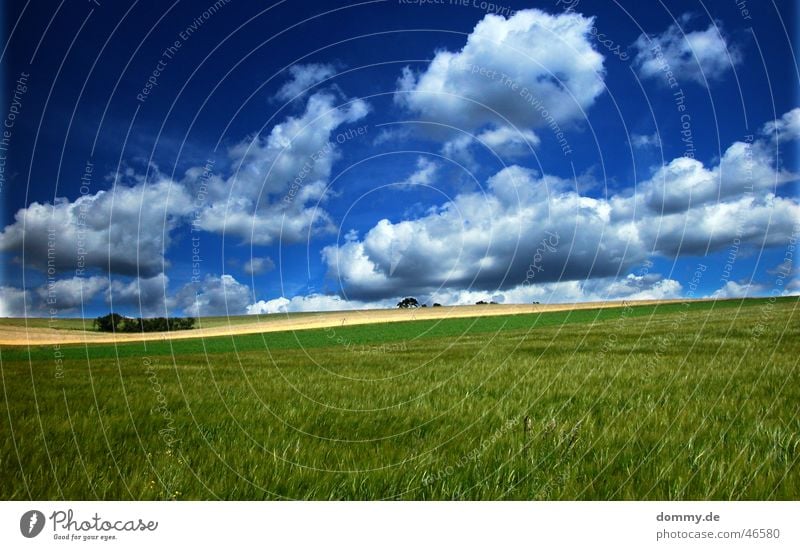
pixel 226 158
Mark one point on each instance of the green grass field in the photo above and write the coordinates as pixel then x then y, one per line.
pixel 653 402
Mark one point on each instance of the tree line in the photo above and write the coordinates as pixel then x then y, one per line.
pixel 410 302
pixel 114 322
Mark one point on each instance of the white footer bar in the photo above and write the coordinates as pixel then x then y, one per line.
pixel 356 525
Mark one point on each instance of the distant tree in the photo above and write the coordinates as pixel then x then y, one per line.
pixel 109 323
pixel 481 303
pixel 424 305
pixel 437 304
pixel 113 322
pixel 129 324
pixel 178 323
pixel 407 303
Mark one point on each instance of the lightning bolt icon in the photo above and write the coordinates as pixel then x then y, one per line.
pixel 34 519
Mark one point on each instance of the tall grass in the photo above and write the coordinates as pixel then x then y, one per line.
pixel 673 402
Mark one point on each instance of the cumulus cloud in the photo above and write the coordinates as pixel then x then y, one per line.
pixel 651 286
pixel 503 141
pixel 508 142
pixel 121 230
pixel 145 296
pixel 634 287
pixel 68 294
pixel 424 174
pixel 13 301
pixel 732 289
pixel 281 178
pixel 304 77
pixel 510 71
pixel 258 266
pixel 485 240
pixel 54 296
pixel 745 168
pixel 278 181
pixel 138 296
pixel 753 220
pixel 217 295
pixel 701 56
pixel 529 228
pixel 274 191
pixel 312 302
pixel 785 128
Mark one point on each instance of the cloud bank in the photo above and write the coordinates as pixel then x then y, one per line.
pixel 527 228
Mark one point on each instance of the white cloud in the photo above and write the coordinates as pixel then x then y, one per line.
pixel 488 241
pixel 258 266
pixel 697 55
pixel 57 295
pixel 786 128
pixel 508 142
pixel 13 301
pixel 732 289
pixel 280 179
pixel 640 288
pixel 145 296
pixel 217 295
pixel 312 302
pixel 642 141
pixel 630 287
pixel 744 168
pixel 67 294
pixel 121 230
pixel 303 77
pixel 485 240
pixel 505 67
pixel 425 174
pixel 267 307
pixel 458 149
pixel 125 231
pixel 391 133
pixel 274 192
pixel 757 221
pixel 503 141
